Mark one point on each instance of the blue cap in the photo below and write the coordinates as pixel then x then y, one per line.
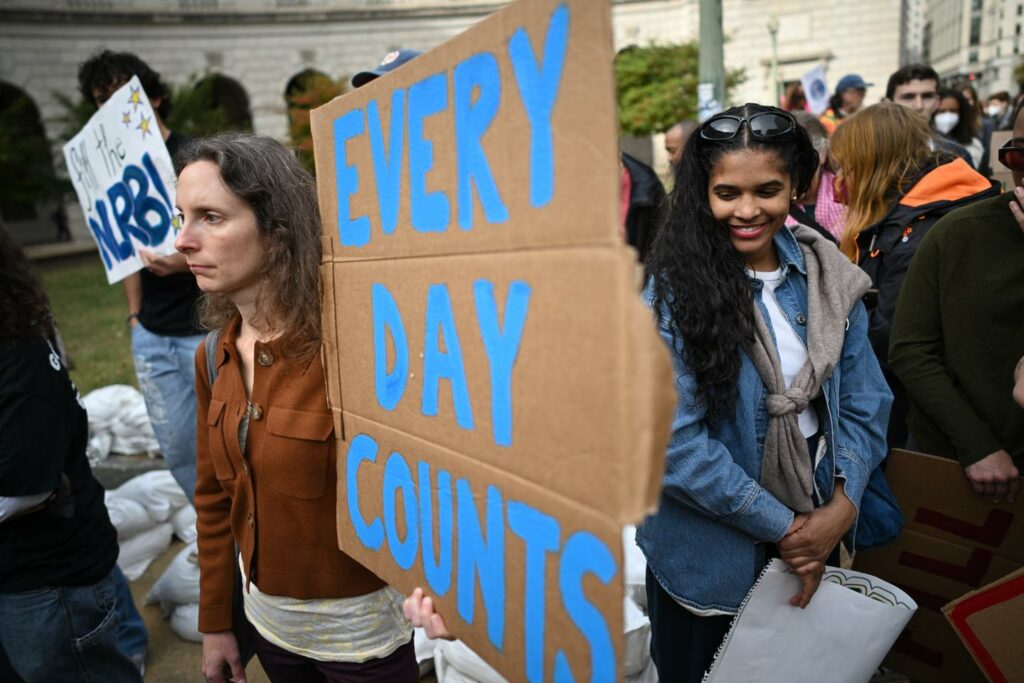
pixel 852 81
pixel 391 61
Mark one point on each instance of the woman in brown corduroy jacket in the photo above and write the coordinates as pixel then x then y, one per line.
pixel 266 475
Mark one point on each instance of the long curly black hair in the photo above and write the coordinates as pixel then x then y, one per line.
pixel 24 309
pixel 698 278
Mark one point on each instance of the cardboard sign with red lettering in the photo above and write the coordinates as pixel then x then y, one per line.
pixel 501 390
pixel 990 622
pixel 954 542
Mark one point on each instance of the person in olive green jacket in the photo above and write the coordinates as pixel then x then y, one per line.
pixel 958 335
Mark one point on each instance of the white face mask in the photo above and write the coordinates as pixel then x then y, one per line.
pixel 995 110
pixel 946 121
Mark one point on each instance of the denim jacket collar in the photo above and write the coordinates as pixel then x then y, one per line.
pixel 789 251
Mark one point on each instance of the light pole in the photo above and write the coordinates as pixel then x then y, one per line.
pixel 773 31
pixel 711 66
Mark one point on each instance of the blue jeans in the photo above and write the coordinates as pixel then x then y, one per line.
pixel 132 636
pixel 165 367
pixel 65 634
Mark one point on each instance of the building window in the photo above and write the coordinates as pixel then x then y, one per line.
pixel 976 5
pixel 975 31
pixel 972 57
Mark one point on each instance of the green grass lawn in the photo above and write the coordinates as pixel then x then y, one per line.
pixel 91 316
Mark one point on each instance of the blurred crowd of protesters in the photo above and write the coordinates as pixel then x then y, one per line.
pixel 830 286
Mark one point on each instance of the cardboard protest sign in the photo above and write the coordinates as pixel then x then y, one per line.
pixel 954 542
pixel 501 390
pixel 989 621
pixel 124 179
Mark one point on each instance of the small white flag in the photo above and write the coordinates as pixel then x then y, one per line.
pixel 816 89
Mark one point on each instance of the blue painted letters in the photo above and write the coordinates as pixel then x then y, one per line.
pixel 353 232
pixel 430 210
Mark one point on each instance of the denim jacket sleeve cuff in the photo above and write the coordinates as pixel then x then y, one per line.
pixel 763 516
pixel 852 470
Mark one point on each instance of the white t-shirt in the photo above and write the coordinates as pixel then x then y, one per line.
pixel 330 629
pixel 792 351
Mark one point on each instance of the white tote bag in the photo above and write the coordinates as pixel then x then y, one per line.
pixel 841 636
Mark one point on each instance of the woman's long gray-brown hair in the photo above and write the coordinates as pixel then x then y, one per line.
pixel 282 194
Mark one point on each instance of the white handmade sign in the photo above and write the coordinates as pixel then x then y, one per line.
pixel 124 179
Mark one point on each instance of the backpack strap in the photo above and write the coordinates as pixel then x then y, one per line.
pixel 211 349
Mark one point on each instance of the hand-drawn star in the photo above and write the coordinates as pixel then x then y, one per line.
pixel 136 98
pixel 144 125
pixel 126 119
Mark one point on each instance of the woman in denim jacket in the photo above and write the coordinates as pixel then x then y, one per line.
pixel 782 406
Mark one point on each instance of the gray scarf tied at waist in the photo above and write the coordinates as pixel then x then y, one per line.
pixel 833 286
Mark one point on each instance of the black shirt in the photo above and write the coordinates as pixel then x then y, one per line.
pixel 43 435
pixel 169 302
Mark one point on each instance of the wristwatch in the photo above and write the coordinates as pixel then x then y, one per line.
pixel 131 316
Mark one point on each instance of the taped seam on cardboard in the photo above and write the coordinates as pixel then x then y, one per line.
pixel 329 337
pixel 539 249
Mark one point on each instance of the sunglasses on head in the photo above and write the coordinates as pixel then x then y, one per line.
pixel 1011 156
pixel 764 126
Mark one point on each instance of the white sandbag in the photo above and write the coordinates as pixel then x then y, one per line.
pixel 128 516
pixel 648 675
pixel 141 549
pixel 635 568
pixel 185 623
pixel 425 648
pixel 118 422
pixel 636 629
pixel 156 491
pixel 179 584
pixel 98 448
pixel 454 662
pixel 184 522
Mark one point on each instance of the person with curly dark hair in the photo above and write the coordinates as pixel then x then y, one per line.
pixel 163 297
pixel 59 585
pixel 781 404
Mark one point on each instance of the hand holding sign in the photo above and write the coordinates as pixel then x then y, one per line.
pixel 123 176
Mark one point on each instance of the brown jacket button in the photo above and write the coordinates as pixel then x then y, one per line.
pixel 265 358
pixel 255 411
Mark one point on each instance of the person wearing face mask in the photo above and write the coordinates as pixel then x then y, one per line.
pixel 953 120
pixel 999 111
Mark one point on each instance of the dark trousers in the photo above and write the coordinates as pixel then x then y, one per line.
pixel 282 666
pixel 683 645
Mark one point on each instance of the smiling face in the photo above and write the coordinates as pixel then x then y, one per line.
pixel 219 234
pixel 750 193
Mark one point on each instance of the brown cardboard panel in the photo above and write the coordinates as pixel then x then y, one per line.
pixel 591 401
pixel 582 205
pixel 989 621
pixel 551 413
pixel 928 651
pixel 931 570
pixel 938 501
pixel 581 607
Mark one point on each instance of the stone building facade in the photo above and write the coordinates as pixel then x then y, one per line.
pixel 263 44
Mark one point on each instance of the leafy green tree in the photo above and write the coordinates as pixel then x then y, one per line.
pixel 26 168
pixel 657 86
pixel 312 90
